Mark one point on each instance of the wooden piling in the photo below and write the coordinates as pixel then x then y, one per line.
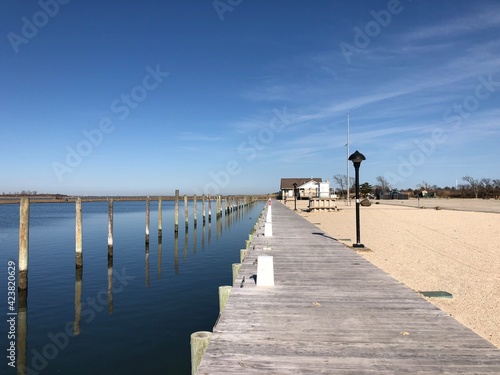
pixel 209 210
pixel 203 207
pixel 24 224
pixel 218 207
pixel 195 211
pixel 224 292
pixel 236 271
pixel 199 344
pixel 110 227
pixel 176 212
pixel 160 219
pixel 186 213
pixel 148 204
pixel 79 252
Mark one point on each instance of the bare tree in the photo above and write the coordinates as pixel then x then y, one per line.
pixel 475 185
pixel 383 184
pixel 424 186
pixel 341 180
pixel 486 185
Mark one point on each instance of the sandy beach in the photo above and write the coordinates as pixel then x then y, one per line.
pixel 431 250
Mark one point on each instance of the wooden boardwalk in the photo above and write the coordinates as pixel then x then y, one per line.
pixel 333 312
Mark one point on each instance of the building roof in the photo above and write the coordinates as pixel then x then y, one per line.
pixel 287 183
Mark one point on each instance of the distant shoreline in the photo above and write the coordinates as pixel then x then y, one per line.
pixel 11 199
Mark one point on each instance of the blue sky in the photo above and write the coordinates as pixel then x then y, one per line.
pixel 129 97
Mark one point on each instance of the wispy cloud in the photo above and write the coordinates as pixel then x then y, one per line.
pixel 197 137
pixel 457 27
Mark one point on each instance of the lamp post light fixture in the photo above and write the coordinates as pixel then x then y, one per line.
pixel 356 159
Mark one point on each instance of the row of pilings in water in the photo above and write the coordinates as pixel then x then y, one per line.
pixel 232 204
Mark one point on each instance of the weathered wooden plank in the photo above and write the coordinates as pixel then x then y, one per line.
pixel 331 311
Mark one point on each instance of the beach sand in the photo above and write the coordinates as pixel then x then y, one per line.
pixel 430 250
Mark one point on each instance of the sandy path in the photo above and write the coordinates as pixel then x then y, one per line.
pixel 429 250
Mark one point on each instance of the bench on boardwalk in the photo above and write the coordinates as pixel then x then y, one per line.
pixel 322 204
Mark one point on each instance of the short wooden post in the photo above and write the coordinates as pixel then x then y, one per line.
pixel 176 212
pixel 203 207
pixel 186 213
pixel 110 227
pixel 79 252
pixel 199 344
pixel 243 254
pixel 195 211
pixel 236 271
pixel 224 292
pixel 160 219
pixel 148 204
pixel 24 226
pixel 219 206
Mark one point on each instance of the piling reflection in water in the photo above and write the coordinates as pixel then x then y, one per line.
pixel 159 257
pixel 203 236
pixel 78 300
pixel 218 227
pixel 110 285
pixel 176 254
pixel 22 331
pixel 147 265
pixel 232 213
pixel 194 240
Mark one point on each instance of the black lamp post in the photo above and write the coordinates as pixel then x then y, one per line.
pixel 295 195
pixel 356 159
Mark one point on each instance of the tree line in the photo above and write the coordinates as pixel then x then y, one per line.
pixel 470 188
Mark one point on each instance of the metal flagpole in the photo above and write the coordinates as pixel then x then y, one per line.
pixel 348 201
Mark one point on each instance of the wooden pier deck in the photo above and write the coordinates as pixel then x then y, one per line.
pixel 333 312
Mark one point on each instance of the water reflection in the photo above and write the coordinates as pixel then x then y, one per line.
pixel 194 241
pixel 22 331
pixel 128 242
pixel 176 254
pixel 78 300
pixel 203 236
pixel 218 227
pixel 147 266
pixel 110 285
pixel 159 257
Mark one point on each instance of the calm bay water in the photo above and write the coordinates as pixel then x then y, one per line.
pixel 158 298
